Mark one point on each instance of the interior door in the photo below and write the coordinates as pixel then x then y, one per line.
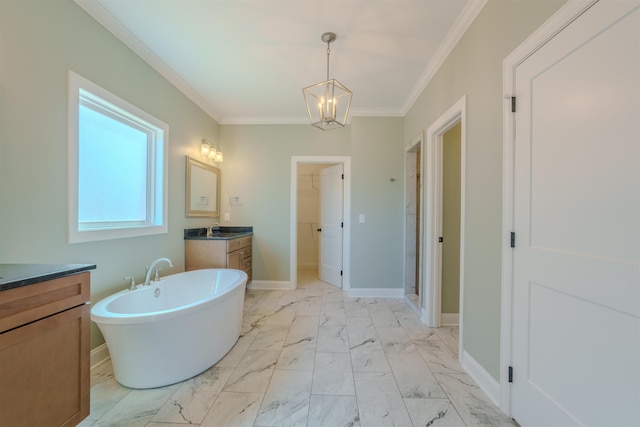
pixel 576 290
pixel 331 222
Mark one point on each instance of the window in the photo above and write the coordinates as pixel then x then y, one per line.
pixel 117 166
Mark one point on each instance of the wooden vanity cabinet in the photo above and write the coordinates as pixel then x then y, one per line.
pixel 44 353
pixel 231 253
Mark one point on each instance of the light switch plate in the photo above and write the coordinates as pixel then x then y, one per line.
pixel 227 216
pixel 361 218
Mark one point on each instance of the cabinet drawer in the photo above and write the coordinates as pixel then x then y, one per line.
pixel 245 252
pixel 29 303
pixel 245 264
pixel 240 242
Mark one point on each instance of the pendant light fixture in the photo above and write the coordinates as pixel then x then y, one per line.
pixel 328 102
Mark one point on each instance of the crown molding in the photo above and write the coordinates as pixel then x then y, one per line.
pixel 107 20
pixel 299 120
pixel 464 21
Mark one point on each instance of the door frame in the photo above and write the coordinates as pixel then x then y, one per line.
pixel 432 196
pixel 562 18
pixel 346 211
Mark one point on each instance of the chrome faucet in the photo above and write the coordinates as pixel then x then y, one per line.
pixel 153 265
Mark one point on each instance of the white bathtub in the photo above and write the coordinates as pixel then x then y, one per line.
pixel 174 329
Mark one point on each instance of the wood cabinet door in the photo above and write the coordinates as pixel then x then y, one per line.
pixel 44 371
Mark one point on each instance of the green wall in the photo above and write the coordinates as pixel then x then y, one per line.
pixel 474 69
pixel 257 169
pixel 39 42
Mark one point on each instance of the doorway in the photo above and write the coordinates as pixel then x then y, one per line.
pixel 444 171
pixel 310 249
pixel 450 224
pixel 413 223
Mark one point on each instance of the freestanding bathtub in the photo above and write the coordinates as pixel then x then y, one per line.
pixel 173 329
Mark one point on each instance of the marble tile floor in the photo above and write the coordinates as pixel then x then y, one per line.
pixel 313 357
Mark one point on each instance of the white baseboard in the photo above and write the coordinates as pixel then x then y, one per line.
pixel 450 319
pixel 269 285
pixel 99 355
pixel 375 292
pixel 486 382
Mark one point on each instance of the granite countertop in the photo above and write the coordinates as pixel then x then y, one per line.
pixel 219 233
pixel 16 275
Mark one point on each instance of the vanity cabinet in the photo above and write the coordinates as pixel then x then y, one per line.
pixel 44 353
pixel 219 253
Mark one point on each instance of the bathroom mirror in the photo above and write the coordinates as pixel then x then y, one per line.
pixel 203 189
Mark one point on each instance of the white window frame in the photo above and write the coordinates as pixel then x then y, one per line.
pixel 84 92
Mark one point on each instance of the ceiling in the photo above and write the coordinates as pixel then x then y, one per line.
pixel 246 61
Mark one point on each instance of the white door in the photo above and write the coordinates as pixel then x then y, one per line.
pixel 576 292
pixel 331 221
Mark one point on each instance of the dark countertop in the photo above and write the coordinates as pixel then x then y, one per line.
pixel 219 233
pixel 16 275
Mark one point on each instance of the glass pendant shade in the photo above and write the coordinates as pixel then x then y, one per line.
pixel 328 104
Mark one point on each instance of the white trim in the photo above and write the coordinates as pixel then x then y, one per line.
pixel 487 383
pixel 462 24
pixel 99 355
pixel 432 192
pixel 80 90
pixel 376 292
pixel 563 17
pixel 450 319
pixel 293 218
pixel 270 285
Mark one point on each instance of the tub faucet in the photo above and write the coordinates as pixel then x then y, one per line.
pixel 153 265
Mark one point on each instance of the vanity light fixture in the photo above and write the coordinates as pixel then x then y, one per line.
pixel 328 102
pixel 210 151
pixel 205 147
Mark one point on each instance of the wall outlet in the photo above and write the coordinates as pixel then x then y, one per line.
pixel 227 216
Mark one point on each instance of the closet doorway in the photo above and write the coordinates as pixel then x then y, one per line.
pixel 319 220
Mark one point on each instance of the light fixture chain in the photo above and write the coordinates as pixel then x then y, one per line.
pixel 328 54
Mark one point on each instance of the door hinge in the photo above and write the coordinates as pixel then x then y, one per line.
pixel 342 176
pixel 510 374
pixel 341 272
pixel 513 104
pixel 440 239
pixel 512 242
pixel 342 225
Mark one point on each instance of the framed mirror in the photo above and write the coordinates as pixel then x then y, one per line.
pixel 203 189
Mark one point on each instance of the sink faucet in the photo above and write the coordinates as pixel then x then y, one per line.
pixel 152 266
